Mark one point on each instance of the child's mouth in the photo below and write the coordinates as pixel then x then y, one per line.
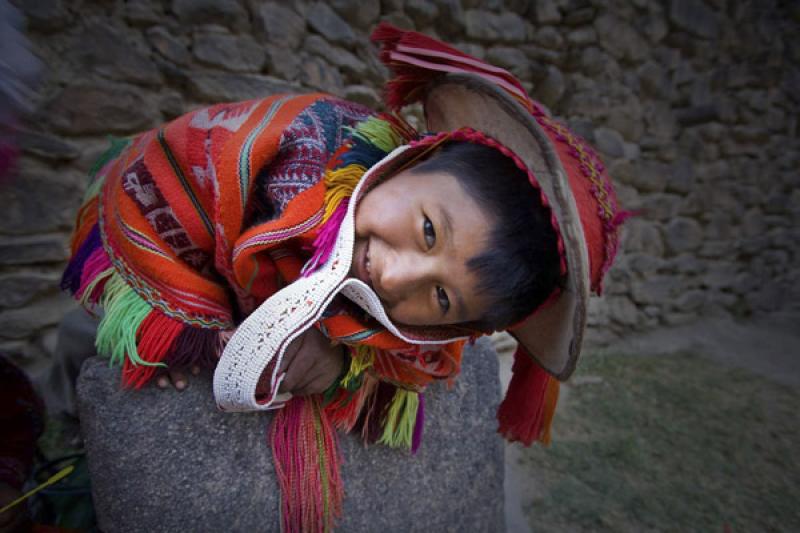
pixel 362 265
pixel 367 264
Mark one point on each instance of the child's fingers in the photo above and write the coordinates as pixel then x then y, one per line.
pixel 296 372
pixel 178 379
pixel 311 383
pixel 315 386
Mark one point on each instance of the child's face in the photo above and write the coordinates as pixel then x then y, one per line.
pixel 414 235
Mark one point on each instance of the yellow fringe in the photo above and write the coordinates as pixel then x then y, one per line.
pixel 340 184
pixel 362 358
pixel 398 429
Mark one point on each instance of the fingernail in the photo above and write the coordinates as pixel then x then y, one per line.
pixel 180 385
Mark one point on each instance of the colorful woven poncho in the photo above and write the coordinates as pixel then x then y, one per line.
pixel 185 229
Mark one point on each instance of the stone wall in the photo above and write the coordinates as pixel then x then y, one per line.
pixel 693 103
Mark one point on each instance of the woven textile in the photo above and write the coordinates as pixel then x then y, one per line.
pixel 187 228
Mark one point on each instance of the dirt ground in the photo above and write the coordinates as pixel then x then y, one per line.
pixel 685 429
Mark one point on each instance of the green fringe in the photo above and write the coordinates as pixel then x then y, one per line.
pixel 124 312
pixel 92 190
pixel 380 133
pixel 84 300
pixel 398 429
pixel 118 144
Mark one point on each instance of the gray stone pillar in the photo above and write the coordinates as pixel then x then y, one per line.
pixel 167 461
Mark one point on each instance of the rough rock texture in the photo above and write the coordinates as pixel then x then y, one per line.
pixel 694 105
pixel 168 461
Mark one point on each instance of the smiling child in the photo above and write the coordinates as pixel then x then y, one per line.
pixel 301 244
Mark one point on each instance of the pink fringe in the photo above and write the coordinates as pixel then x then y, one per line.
pixel 326 239
pixel 97 262
pixel 307 464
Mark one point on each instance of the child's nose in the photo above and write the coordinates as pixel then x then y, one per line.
pixel 403 275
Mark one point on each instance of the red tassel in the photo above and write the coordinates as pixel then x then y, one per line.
pixel 526 413
pixel 345 409
pixel 155 338
pixel 416 59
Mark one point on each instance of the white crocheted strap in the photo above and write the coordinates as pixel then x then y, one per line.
pixel 362 295
pixel 268 331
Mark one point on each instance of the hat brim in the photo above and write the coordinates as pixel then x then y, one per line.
pixel 553 334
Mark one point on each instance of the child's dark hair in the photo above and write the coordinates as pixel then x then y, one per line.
pixel 520 268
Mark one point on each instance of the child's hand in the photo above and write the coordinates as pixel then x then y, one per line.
pixel 311 364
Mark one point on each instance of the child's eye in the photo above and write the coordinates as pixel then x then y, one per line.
pixel 428 231
pixel 444 301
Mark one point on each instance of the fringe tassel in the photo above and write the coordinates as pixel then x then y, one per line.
pixel 401 419
pixel 307 464
pixel 124 313
pixel 346 409
pixel 156 336
pixel 415 59
pixel 382 133
pixel 195 346
pixel 361 358
pixel 340 184
pixel 549 411
pixel 419 424
pixel 373 415
pixel 526 412
pixel 139 337
pixel 326 240
pixel 116 146
pixel 90 294
pixel 95 273
pixel 71 279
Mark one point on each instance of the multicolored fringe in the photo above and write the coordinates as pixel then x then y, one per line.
pixel 132 333
pixel 361 358
pixel 526 413
pixel 384 412
pixel 306 457
pixel 371 141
